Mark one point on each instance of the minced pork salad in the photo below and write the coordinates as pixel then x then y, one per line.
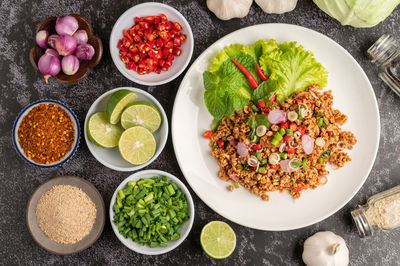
pixel 274 129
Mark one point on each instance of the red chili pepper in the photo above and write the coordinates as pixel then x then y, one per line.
pixel 280 104
pixel 287 138
pixel 207 134
pixel 293 126
pixel 273 166
pixel 302 130
pixel 330 133
pixel 260 104
pixel 298 101
pixel 266 111
pixel 220 143
pixel 291 151
pixel 299 187
pixel 249 76
pixel 263 77
pixel 272 99
pixel 284 125
pixel 256 147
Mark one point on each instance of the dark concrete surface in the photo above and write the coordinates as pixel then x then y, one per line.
pixel 21 85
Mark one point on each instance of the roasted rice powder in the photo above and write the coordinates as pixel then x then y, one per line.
pixel 46 133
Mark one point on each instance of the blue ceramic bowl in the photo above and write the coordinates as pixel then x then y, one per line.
pixel 77 134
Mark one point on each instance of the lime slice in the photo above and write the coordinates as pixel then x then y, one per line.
pixel 102 133
pixel 137 145
pixel 218 239
pixel 116 104
pixel 141 114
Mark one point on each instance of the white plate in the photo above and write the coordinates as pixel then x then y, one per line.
pixel 126 20
pixel 111 157
pixel 353 95
pixel 184 229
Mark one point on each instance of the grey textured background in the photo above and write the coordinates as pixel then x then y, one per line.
pixel 21 85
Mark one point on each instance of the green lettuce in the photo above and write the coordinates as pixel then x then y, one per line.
pixel 289 67
pixel 293 68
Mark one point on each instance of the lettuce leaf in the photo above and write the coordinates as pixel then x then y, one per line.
pixel 289 67
pixel 225 54
pixel 260 48
pixel 293 68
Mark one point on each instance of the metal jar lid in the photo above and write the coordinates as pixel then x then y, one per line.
pixel 361 222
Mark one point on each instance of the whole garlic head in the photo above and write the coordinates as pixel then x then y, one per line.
pixel 325 249
pixel 277 6
pixel 228 9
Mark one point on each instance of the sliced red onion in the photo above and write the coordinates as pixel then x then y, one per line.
pixel 65 45
pixel 234 178
pixel 52 52
pixel 41 38
pixel 242 149
pixel 308 144
pixel 234 142
pixel 84 51
pixel 70 64
pixel 276 117
pixel 66 25
pixel 52 40
pixel 49 65
pixel 285 165
pixel 81 37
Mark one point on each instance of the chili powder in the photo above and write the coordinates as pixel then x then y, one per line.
pixel 46 133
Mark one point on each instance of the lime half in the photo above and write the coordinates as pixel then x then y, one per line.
pixel 141 114
pixel 102 133
pixel 137 145
pixel 218 239
pixel 116 104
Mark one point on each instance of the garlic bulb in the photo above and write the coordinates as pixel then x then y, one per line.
pixel 228 9
pixel 325 249
pixel 277 6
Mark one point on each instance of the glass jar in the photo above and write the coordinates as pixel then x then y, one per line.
pixel 381 213
pixel 386 55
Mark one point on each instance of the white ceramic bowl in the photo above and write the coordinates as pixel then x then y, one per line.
pixel 111 157
pixel 183 230
pixel 126 20
pixel 75 144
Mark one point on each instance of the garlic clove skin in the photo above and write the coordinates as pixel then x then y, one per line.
pixel 277 6
pixel 228 9
pixel 325 249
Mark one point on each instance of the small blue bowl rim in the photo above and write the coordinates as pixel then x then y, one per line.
pixel 20 153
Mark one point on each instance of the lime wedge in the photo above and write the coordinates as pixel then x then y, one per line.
pixel 102 133
pixel 218 239
pixel 137 145
pixel 116 104
pixel 141 114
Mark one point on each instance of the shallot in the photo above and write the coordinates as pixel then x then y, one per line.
pixel 81 37
pixel 41 38
pixel 84 51
pixel 65 45
pixel 276 117
pixel 308 144
pixel 66 25
pixel 70 64
pixel 52 52
pixel 242 149
pixel 52 40
pixel 49 65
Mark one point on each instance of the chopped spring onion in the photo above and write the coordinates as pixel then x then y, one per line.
pixel 150 211
pixel 276 183
pixel 320 160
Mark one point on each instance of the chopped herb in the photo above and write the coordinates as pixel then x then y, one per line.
pixel 264 161
pixel 235 184
pixel 320 160
pixel 261 170
pixel 276 183
pixel 254 108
